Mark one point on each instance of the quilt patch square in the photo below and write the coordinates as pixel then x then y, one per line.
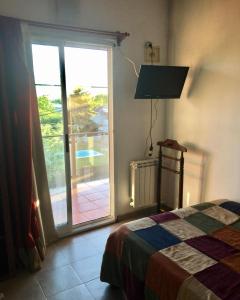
pixel 184 212
pixel 182 229
pixel 136 254
pixel 164 217
pixel 204 222
pixel 233 262
pixel 236 225
pixel 192 289
pixel 114 242
pixel 140 224
pixel 188 258
pixel 224 282
pixel 221 214
pixel 157 237
pixel 133 287
pixel 229 235
pixel 164 277
pixel 232 206
pixel 212 247
pixel 202 206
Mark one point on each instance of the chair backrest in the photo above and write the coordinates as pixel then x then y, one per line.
pixel 179 170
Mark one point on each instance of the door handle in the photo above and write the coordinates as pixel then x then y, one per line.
pixel 66 143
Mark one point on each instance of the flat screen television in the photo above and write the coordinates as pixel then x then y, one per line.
pixel 160 82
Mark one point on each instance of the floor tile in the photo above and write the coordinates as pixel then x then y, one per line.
pixel 105 194
pixel 82 187
pixel 99 242
pixel 68 263
pixel 79 218
pixel 54 258
pixel 103 291
pixel 102 188
pixel 77 293
pixel 89 268
pixel 23 286
pixel 103 232
pixel 87 206
pixel 82 201
pixel 87 192
pixel 102 202
pixel 79 250
pixel 58 280
pixel 95 196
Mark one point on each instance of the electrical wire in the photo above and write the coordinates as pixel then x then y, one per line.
pixel 151 142
pixel 155 106
pixel 133 64
pixel 150 152
pixel 131 61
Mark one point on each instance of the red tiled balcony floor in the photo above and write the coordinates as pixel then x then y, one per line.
pixel 90 201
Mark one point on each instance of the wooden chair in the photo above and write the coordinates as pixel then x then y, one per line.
pixel 179 170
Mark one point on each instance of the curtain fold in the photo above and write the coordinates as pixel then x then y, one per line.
pixel 16 103
pixel 41 181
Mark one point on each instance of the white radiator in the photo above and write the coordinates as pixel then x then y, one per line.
pixel 143 183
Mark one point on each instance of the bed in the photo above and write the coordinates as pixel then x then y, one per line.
pixel 186 254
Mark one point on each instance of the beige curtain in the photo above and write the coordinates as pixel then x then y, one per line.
pixel 41 183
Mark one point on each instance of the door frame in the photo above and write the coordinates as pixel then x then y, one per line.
pixel 68 228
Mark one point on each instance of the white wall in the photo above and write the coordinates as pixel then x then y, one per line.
pixel 204 34
pixel 145 20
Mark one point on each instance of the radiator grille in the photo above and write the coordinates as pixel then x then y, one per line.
pixel 143 183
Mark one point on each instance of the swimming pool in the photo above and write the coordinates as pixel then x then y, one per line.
pixel 87 153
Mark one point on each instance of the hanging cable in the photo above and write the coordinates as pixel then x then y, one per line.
pixel 155 106
pixel 131 62
pixel 152 122
pixel 150 152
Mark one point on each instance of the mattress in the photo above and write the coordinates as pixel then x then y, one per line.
pixel 186 254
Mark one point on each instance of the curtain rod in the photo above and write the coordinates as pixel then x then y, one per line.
pixel 120 36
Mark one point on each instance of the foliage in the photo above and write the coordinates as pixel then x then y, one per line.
pixel 100 100
pixel 81 112
pixel 50 113
pixel 83 107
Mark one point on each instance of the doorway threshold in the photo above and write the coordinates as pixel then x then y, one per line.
pixel 91 225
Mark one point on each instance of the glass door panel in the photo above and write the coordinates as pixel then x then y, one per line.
pixel 72 94
pixel 87 93
pixel 48 87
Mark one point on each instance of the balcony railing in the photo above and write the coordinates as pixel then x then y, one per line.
pixel 83 167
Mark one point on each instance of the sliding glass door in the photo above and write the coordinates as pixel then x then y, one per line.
pixel 47 75
pixel 87 93
pixel 72 85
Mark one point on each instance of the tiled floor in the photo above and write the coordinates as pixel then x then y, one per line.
pixel 70 272
pixel 90 201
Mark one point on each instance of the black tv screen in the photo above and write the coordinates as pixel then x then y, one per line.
pixel 160 82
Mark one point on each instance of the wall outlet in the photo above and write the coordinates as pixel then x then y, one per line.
pixel 152 54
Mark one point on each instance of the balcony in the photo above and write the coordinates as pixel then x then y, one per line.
pixel 89 164
pixel 90 201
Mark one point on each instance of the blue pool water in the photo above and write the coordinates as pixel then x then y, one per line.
pixel 87 153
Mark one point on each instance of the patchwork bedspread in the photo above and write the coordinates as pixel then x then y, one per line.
pixel 185 254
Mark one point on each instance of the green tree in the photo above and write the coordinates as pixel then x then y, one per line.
pixel 82 109
pixel 100 100
pixel 50 112
pixel 51 120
